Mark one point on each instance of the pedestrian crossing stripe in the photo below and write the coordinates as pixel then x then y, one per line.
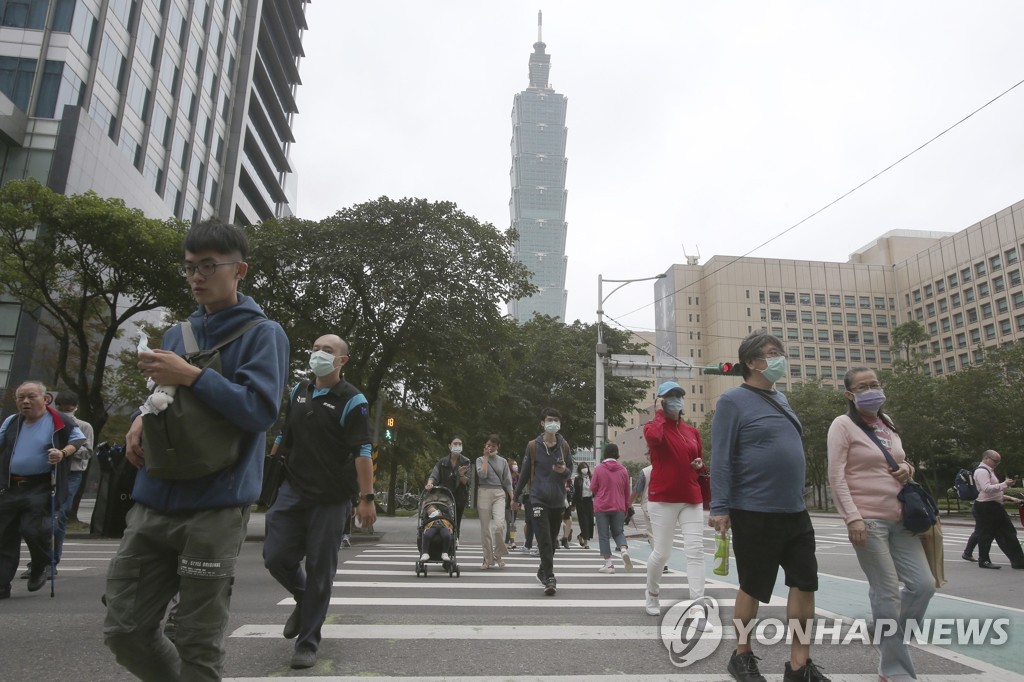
pixel 689 677
pixel 521 585
pixel 544 602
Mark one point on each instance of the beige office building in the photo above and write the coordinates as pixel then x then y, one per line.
pixel 965 288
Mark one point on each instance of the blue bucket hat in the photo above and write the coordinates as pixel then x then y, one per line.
pixel 668 387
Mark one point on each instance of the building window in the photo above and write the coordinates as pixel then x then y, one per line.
pixel 790 298
pixel 883 338
pixel 848 301
pixel 919 314
pixel 833 300
pixel 965 275
pixel 851 319
pixel 952 281
pixel 823 335
pixel 854 337
pixel 998 284
pixel 979 269
pixel 777 316
pixel 965 361
pixel 969 295
pixel 837 336
pixel 961 340
pixel 865 320
pixel 1002 305
pixel 1004 328
pixel 990 331
pixel 805 316
pixel 869 337
pixel 943 307
pixel 927 290
pixel 870 355
pixel 986 310
pixel 841 353
pixel 975 336
pixel 933 328
pixel 865 301
pixel 945 324
pixel 819 299
pixel 940 286
pixel 773 297
pixel 930 309
pixel 824 353
pixel 808 335
pixel 1014 278
pixel 791 334
pixel 995 263
pixel 880 320
pixel 917 295
pixel 790 316
pixel 760 296
pixel 854 355
pixel 805 299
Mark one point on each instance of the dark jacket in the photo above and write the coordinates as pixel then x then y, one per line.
pixel 248 393
pixel 325 432
pixel 444 474
pixel 62 431
pixel 547 488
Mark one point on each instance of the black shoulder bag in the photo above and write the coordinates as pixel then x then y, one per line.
pixel 275 466
pixel 920 512
pixel 189 439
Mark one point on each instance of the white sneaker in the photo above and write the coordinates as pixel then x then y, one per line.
pixel 606 569
pixel 652 607
pixel 696 616
pixel 445 557
pixel 424 557
pixel 626 561
pixel 534 552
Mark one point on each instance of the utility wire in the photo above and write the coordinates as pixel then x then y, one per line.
pixel 834 201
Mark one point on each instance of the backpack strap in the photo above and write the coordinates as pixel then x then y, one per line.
pixel 532 447
pixel 189 337
pixel 774 403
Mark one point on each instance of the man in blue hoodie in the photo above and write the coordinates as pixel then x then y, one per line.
pixel 184 536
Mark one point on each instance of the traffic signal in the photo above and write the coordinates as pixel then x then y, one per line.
pixel 732 369
pixel 389 430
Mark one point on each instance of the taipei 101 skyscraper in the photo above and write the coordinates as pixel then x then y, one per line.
pixel 537 206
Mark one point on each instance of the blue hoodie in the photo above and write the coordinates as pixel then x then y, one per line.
pixel 255 369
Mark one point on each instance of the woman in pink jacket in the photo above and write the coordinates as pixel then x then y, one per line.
pixel 612 492
pixel 864 490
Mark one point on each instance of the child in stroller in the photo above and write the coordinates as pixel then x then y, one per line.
pixel 437 530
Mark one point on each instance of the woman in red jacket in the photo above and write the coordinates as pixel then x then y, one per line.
pixel 674 497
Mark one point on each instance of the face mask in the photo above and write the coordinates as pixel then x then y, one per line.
pixel 584 471
pixel 515 469
pixel 775 370
pixel 674 405
pixel 870 400
pixel 552 427
pixel 457 449
pixel 321 363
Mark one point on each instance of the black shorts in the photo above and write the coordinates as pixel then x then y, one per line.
pixel 764 541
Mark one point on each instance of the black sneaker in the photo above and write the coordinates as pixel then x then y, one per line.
pixel 808 673
pixel 743 667
pixel 550 587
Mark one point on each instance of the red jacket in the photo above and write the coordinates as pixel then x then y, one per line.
pixel 673 445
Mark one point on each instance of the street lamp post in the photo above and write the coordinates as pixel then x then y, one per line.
pixel 599 426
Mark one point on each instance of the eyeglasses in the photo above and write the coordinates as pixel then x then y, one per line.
pixel 860 388
pixel 206 268
pixel 773 354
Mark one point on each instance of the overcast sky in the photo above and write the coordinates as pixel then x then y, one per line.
pixel 705 126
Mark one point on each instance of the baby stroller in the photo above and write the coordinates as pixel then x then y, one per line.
pixel 441 500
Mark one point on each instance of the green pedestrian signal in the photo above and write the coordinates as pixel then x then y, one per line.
pixel 389 430
pixel 725 369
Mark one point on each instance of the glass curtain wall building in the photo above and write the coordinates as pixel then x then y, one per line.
pixel 181 108
pixel 537 206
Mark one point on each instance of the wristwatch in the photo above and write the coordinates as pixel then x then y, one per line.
pixel 368 497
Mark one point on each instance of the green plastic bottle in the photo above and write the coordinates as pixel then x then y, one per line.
pixel 721 555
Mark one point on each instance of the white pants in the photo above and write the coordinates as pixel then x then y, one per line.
pixel 490 505
pixel 665 516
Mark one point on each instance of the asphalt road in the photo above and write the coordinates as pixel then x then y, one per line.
pixel 385 622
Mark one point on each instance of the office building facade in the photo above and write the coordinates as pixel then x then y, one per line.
pixel 965 288
pixel 182 108
pixel 538 202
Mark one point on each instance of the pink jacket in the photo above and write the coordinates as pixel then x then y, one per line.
pixel 862 487
pixel 610 485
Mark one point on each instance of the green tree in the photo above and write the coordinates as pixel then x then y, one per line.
pixel 82 266
pixel 816 406
pixel 907 335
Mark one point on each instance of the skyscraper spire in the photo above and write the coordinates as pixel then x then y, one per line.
pixel 540 63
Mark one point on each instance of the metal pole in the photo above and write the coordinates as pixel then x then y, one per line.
pixel 599 381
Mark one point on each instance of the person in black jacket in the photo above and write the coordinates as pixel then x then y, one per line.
pixel 328 448
pixel 452 472
pixel 583 501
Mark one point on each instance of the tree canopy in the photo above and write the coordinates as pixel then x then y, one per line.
pixel 82 266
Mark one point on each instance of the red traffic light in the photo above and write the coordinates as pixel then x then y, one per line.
pixel 726 367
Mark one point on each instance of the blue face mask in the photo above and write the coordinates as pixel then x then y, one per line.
pixel 870 400
pixel 776 369
pixel 673 405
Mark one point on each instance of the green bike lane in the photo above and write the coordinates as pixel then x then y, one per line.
pixel 847 599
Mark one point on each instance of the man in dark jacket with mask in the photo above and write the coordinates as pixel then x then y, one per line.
pixel 547 465
pixel 328 448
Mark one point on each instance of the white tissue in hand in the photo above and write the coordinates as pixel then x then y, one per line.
pixel 143 346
